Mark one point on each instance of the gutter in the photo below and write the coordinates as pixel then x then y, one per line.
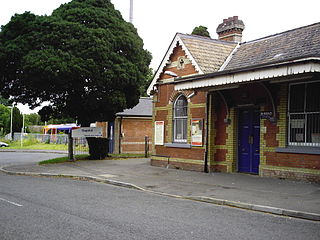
pixel 244 69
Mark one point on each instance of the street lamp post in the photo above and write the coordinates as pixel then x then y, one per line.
pixel 11 121
pixel 22 129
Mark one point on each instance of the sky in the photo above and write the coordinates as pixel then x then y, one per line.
pixel 158 21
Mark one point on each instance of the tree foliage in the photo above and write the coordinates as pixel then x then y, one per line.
pixel 5 101
pixel 5 120
pixel 84 59
pixel 201 31
pixel 32 119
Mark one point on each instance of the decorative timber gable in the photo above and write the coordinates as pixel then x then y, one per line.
pixel 191 55
pixel 177 56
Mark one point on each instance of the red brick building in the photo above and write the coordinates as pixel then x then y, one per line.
pixel 132 126
pixel 252 107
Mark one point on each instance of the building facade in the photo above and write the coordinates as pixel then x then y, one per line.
pixel 253 107
pixel 133 128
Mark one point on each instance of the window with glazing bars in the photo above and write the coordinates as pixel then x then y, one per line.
pixel 180 119
pixel 304 114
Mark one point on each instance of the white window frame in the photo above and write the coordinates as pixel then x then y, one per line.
pixel 184 126
pixel 305 122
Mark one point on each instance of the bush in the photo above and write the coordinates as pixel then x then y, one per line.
pixel 98 148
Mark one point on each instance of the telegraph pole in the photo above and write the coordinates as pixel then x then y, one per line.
pixel 131 11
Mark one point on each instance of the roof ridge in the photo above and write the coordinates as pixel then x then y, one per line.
pixel 205 38
pixel 226 62
pixel 278 34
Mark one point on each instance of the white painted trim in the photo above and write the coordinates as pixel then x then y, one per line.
pixel 229 58
pixel 252 75
pixel 166 58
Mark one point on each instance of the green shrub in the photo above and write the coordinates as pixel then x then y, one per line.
pixel 98 148
pixel 30 140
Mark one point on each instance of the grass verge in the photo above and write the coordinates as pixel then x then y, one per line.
pixel 39 146
pixel 86 157
pixel 64 159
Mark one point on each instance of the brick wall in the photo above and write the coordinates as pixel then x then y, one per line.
pixel 285 165
pixel 223 137
pixel 133 135
pixel 182 158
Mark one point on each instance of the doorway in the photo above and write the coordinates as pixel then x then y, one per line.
pixel 249 141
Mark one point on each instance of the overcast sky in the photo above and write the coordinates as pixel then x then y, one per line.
pixel 158 21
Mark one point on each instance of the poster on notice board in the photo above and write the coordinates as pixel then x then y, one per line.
pixel 158 132
pixel 196 132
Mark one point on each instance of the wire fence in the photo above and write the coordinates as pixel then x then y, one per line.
pixel 43 138
pixel 134 145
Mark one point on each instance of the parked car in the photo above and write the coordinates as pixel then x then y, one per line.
pixel 3 144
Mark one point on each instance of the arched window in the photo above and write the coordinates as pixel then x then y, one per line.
pixel 180 119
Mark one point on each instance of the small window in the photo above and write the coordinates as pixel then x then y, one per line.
pixel 180 119
pixel 181 62
pixel 304 114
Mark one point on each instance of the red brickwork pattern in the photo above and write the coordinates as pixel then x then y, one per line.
pixel 218 168
pixel 178 165
pixel 221 126
pixel 293 160
pixel 220 155
pixel 185 153
pixel 198 112
pixel 135 130
pixel 271 135
pixel 291 175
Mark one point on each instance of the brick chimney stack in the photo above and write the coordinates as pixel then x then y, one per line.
pixel 231 29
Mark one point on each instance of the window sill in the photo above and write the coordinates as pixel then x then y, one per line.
pixel 302 150
pixel 177 145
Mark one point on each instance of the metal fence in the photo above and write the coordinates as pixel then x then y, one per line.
pixel 80 146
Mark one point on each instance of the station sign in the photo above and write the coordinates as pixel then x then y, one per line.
pixel 87 132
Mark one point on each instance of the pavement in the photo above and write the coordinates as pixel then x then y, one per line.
pixel 270 195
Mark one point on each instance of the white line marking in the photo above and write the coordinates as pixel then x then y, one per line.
pixel 13 203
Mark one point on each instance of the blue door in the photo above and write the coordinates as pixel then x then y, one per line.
pixel 249 141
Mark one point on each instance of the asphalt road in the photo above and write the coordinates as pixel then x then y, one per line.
pixel 12 158
pixel 57 208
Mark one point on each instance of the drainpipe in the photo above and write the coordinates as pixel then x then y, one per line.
pixel 227 120
pixel 208 99
pixel 120 132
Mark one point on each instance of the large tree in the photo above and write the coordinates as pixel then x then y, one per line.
pixel 84 59
pixel 201 31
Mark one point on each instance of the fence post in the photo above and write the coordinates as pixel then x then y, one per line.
pixel 146 146
pixel 70 147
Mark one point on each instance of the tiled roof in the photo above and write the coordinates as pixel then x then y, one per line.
pixel 209 54
pixel 297 43
pixel 142 109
